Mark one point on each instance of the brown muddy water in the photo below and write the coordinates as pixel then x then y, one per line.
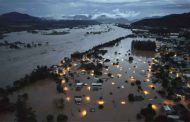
pixel 15 63
pixel 42 95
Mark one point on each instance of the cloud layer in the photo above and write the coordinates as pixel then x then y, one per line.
pixel 113 1
pixel 131 9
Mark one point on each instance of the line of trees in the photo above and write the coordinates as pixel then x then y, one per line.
pixel 23 112
pixel 144 45
pixel 40 73
pixel 79 55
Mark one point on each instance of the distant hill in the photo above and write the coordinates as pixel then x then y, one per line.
pixel 15 21
pixel 109 20
pixel 77 17
pixel 152 17
pixel 81 17
pixel 17 18
pixel 170 21
pixel 102 19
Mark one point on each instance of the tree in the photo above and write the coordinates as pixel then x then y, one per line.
pixel 144 45
pixel 49 118
pixel 24 113
pixel 101 106
pixel 165 83
pixel 25 96
pixel 28 46
pixel 162 118
pixel 109 74
pixel 148 113
pixel 130 58
pixel 5 104
pixel 131 97
pixel 138 82
pixel 62 118
pixel 138 116
pixel 97 73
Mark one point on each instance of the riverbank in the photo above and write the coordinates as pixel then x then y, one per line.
pixel 17 63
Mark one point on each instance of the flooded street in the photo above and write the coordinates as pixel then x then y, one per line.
pixel 114 91
pixel 15 63
pixel 117 107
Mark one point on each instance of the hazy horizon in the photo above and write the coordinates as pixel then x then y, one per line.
pixel 129 9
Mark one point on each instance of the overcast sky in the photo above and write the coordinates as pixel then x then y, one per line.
pixel 131 9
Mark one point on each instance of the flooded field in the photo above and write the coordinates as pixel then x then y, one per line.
pixel 113 94
pixel 15 63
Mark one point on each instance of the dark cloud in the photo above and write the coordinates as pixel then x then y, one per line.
pixel 131 9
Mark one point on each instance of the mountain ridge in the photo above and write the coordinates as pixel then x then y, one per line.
pixel 15 21
pixel 169 21
pixel 101 18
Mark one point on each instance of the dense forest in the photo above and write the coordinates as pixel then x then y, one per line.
pixel 144 45
pixel 174 21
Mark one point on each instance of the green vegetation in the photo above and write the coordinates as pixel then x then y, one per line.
pixel 40 73
pixel 131 97
pixel 23 112
pixel 6 105
pixel 174 21
pixel 50 118
pixel 62 118
pixel 144 45
pixel 56 33
pixel 148 113
pixel 96 50
pixel 20 45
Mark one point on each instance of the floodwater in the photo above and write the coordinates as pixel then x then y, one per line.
pixel 15 63
pixel 42 95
